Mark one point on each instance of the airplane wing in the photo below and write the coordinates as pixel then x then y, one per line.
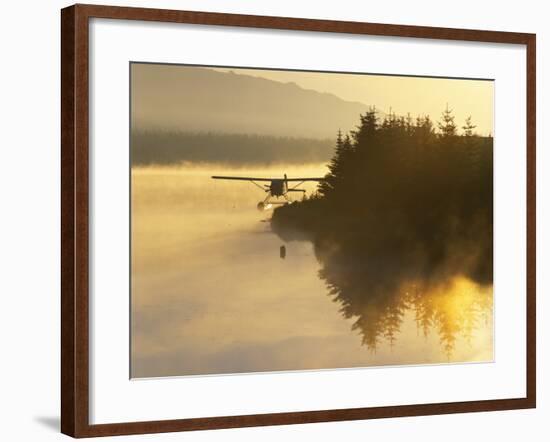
pixel 305 179
pixel 242 178
pixel 246 178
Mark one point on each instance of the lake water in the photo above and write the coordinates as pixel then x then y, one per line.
pixel 211 293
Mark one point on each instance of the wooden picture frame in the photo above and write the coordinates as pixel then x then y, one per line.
pixel 75 378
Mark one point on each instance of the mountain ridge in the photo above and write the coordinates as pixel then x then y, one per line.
pixel 183 98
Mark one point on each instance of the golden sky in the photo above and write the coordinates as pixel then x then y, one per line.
pixel 414 95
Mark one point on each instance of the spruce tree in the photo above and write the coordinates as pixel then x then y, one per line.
pixel 447 126
pixel 469 127
pixel 338 165
pixel 326 186
pixel 367 127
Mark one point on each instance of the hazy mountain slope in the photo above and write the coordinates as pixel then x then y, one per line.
pixel 179 98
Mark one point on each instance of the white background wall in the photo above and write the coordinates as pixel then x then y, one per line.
pixel 29 217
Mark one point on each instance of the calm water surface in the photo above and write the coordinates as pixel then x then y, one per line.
pixel 211 294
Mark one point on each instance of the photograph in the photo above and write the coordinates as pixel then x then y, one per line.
pixel 286 220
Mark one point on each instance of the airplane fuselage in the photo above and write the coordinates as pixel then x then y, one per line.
pixel 277 187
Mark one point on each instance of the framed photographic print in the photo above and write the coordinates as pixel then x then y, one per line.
pixel 273 220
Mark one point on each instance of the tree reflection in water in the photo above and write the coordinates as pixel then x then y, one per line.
pixel 456 307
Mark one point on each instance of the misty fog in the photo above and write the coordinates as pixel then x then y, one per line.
pixel 211 294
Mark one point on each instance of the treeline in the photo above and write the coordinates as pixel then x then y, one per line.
pixel 163 148
pixel 404 202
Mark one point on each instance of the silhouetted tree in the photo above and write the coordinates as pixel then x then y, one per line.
pixel 402 205
pixel 469 127
pixel 338 164
pixel 447 124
